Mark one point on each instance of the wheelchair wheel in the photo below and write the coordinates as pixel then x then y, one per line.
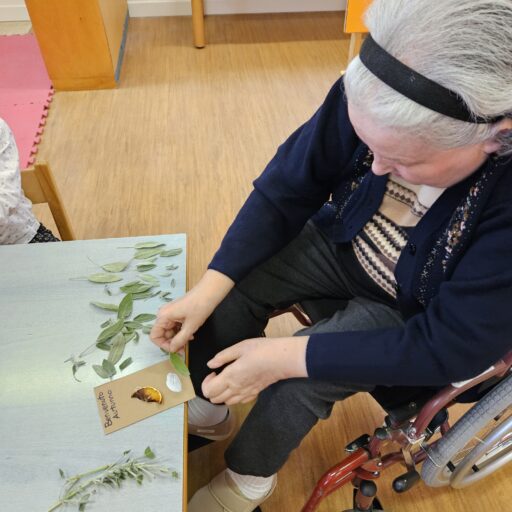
pixel 477 445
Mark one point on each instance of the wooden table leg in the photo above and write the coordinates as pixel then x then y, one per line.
pixel 198 23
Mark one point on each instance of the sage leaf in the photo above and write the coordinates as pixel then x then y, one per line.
pixel 144 254
pixel 129 336
pixel 144 267
pixel 144 317
pixel 146 329
pixel 117 266
pixel 125 363
pixel 74 369
pixel 148 278
pixel 103 346
pixel 104 278
pixel 100 371
pixel 125 307
pixel 110 331
pixel 178 363
pixel 116 352
pixel 172 267
pixel 144 295
pixel 148 452
pixel 61 473
pixel 108 367
pixel 148 245
pixel 133 325
pixel 103 305
pixel 137 337
pixel 136 288
pixel 107 322
pixel 173 283
pixel 171 252
pixel 166 274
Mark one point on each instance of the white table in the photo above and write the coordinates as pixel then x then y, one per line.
pixel 47 419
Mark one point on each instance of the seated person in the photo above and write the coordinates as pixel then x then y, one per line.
pixel 395 198
pixel 17 222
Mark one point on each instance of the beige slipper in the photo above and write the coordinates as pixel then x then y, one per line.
pixel 222 495
pixel 217 432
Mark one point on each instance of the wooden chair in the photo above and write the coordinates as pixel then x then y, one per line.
pixel 39 186
pixel 198 23
pixel 355 26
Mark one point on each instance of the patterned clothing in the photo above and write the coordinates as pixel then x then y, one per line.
pixel 43 235
pixel 17 222
pixel 379 244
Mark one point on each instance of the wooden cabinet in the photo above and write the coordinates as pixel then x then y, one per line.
pixel 82 41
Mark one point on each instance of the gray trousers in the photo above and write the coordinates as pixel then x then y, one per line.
pixel 310 267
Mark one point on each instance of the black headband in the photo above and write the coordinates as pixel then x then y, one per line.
pixel 416 87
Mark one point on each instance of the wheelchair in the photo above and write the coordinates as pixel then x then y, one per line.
pixel 417 430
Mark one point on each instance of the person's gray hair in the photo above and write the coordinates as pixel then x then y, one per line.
pixel 464 45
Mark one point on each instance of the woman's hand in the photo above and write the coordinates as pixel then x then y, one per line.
pixel 177 322
pixel 255 364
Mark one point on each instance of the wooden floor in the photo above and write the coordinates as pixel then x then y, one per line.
pixel 175 148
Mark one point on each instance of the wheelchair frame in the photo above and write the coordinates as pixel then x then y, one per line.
pixel 365 462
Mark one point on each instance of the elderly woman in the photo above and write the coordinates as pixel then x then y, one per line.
pixel 396 199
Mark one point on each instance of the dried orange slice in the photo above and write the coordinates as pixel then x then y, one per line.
pixel 148 394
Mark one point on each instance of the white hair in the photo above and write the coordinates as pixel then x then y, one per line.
pixel 464 45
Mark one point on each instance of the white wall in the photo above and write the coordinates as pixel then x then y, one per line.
pixel 14 10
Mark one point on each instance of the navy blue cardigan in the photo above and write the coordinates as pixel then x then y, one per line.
pixel 454 276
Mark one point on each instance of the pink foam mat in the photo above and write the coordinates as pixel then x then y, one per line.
pixel 25 92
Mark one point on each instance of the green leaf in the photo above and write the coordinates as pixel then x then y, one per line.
pixel 137 337
pixel 74 369
pixel 148 452
pixel 110 331
pixel 150 279
pixel 109 367
pixel 129 336
pixel 103 346
pixel 100 371
pixel 118 266
pixel 148 245
pixel 144 317
pixel 61 473
pixel 144 267
pixel 125 307
pixel 104 305
pixel 81 506
pixel 133 325
pixel 116 352
pixel 178 363
pixel 136 288
pixel 166 274
pixel 144 295
pixel 144 254
pixel 171 252
pixel 106 322
pixel 173 283
pixel 104 278
pixel 172 267
pixel 146 329
pixel 125 363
